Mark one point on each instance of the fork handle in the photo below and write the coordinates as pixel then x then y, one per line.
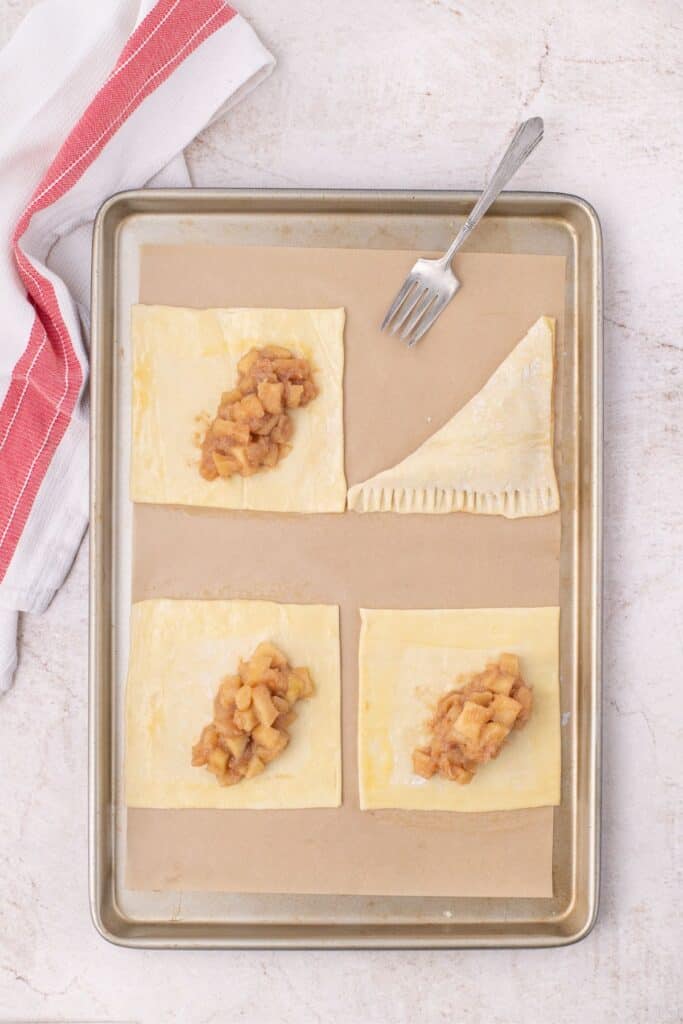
pixel 527 137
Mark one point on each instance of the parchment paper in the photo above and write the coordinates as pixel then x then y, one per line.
pixel 394 399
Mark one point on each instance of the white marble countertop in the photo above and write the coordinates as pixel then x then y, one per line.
pixel 421 93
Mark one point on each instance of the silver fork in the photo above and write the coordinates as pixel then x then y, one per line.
pixel 431 284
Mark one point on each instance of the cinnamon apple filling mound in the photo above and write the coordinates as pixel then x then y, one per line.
pixel 253 427
pixel 472 724
pixel 252 714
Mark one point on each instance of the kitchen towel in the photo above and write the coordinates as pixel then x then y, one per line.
pixel 96 98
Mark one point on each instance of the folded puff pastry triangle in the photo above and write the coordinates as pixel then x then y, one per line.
pixel 495 456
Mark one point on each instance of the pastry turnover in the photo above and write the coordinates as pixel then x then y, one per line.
pixel 495 456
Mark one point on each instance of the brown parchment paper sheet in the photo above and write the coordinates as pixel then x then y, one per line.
pixel 394 399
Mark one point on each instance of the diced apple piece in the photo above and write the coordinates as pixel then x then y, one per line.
pixel 509 663
pixel 476 684
pixel 449 767
pixel 525 698
pixel 237 745
pixel 229 778
pixel 258 667
pixel 505 710
pixel 271 396
pixel 250 408
pixel 208 469
pixel 277 658
pixel 226 465
pixel 451 715
pixel 454 771
pixel 199 755
pixel 227 691
pixel 441 740
pixel 272 457
pixel 247 361
pixel 209 736
pixel 423 764
pixel 451 700
pixel 469 722
pixel 492 738
pixel 483 697
pixel 266 712
pixel 266 736
pixel 267 755
pixel 224 720
pixel 257 451
pixel 207 741
pixel 305 676
pixel 503 684
pixel 239 454
pixel 262 370
pixel 255 767
pixel 237 432
pixel 218 761
pixel 310 391
pixel 488 678
pixel 243 697
pixel 283 721
pixel 282 432
pixel 295 687
pixel 276 681
pixel 293 395
pixel 282 742
pixel 245 720
pixel 263 427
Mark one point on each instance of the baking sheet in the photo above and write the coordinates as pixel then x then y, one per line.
pixel 394 398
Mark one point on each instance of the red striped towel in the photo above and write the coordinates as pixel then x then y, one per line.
pixel 96 98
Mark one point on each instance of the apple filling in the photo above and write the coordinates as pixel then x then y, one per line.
pixel 252 715
pixel 254 426
pixel 471 724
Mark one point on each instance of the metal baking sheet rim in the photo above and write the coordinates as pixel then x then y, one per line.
pixel 578 917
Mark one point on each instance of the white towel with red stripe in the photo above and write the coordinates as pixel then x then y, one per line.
pixel 96 98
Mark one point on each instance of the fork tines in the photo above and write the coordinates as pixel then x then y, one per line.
pixel 415 308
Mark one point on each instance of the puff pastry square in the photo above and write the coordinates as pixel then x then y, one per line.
pixel 180 650
pixel 408 659
pixel 184 358
pixel 495 456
